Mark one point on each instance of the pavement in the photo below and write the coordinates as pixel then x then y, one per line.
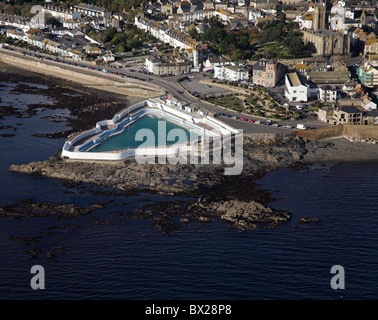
pixel 194 86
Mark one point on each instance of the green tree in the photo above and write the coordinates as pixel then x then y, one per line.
pixel 120 48
pixel 237 55
pixel 110 34
pixel 193 33
pixel 135 43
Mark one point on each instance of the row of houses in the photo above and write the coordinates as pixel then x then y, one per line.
pixel 37 40
pixel 170 36
pixel 76 11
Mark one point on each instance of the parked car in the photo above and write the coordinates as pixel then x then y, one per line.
pixel 287 126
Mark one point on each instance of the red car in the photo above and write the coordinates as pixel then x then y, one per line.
pixel 249 120
pixel 242 119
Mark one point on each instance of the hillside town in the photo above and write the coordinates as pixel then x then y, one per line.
pixel 317 56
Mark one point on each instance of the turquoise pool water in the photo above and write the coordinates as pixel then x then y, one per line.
pixel 126 139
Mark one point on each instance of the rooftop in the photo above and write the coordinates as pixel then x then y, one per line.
pixel 294 79
pixel 349 109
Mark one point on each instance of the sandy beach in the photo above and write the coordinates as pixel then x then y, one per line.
pixel 342 150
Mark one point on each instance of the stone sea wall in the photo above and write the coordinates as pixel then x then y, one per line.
pixel 77 75
pixel 350 132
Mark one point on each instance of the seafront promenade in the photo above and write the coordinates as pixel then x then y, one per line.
pixel 84 76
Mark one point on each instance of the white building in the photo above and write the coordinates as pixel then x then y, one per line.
pixel 342 18
pixel 71 24
pixel 327 93
pixel 60 13
pixel 91 10
pixel 108 58
pixel 231 73
pixel 253 15
pixel 61 31
pixel 224 16
pixel 213 62
pixel 368 105
pixel 14 34
pixel 296 90
pixel 191 16
pixel 305 21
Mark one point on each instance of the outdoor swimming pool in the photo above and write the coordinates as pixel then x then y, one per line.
pixel 126 139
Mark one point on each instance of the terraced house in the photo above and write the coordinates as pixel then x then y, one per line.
pixel 170 36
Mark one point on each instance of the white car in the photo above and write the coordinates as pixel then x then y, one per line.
pixel 288 126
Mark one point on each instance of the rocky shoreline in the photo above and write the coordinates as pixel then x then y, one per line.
pixel 94 106
pixel 233 199
pixel 213 196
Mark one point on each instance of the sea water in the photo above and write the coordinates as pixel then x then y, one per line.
pixel 133 260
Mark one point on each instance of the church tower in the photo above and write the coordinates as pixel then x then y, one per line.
pixel 319 16
pixel 363 18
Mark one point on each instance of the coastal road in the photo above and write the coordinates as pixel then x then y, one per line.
pixel 167 84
